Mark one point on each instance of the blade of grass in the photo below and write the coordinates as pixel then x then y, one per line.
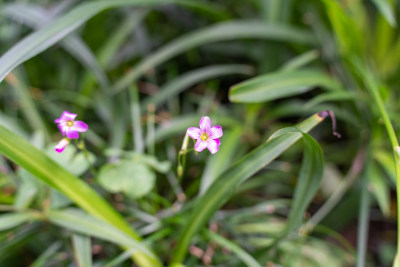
pixel 226 184
pixel 363 222
pixel 39 164
pixel 219 32
pixel 372 86
pixel 386 10
pixel 85 224
pixel 82 250
pixel 46 255
pixel 138 140
pixel 280 84
pixel 120 258
pixel 31 113
pixel 114 42
pixel 11 220
pixel 245 257
pixel 110 47
pixel 301 60
pixel 35 17
pixel 333 96
pixel 191 78
pixel 309 180
pixel 50 34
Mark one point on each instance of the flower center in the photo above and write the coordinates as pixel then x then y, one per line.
pixel 204 136
pixel 70 123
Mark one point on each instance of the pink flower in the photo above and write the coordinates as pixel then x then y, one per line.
pixel 207 136
pixel 69 127
pixel 62 145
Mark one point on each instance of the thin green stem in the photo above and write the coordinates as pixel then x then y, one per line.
pixel 363 219
pixel 182 157
pixel 81 145
pixel 374 90
pixel 135 116
pixel 151 147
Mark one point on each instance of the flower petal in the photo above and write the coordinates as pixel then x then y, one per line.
pixel 79 126
pixel 200 145
pixel 194 132
pixel 205 124
pixel 71 134
pixel 62 145
pixel 66 116
pixel 215 132
pixel 213 146
pixel 63 128
pixel 218 142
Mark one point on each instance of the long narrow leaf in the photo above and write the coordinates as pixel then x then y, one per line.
pixel 280 84
pixel 191 78
pixel 240 253
pixel 82 250
pixel 82 223
pixel 226 184
pixel 47 36
pixel 39 164
pixel 308 182
pixel 11 220
pixel 35 17
pixel 219 32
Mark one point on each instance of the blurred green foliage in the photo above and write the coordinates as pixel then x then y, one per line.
pixel 139 73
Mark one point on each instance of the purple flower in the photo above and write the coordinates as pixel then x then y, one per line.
pixel 207 136
pixel 69 127
pixel 62 145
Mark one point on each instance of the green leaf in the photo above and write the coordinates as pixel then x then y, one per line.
pixel 26 103
pixel 151 161
pixel 193 77
pixel 134 179
pixel 332 96
pixel 11 220
pixel 378 186
pixel 50 34
pixel 39 164
pixel 46 255
pixel 308 183
pixel 82 223
pixel 349 36
pixel 301 60
pixel 35 17
pixel 215 33
pixel 82 250
pixel 280 84
pixel 227 183
pixel 386 10
pixel 240 253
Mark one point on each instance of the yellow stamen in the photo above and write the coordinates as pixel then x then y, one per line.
pixel 70 123
pixel 204 136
